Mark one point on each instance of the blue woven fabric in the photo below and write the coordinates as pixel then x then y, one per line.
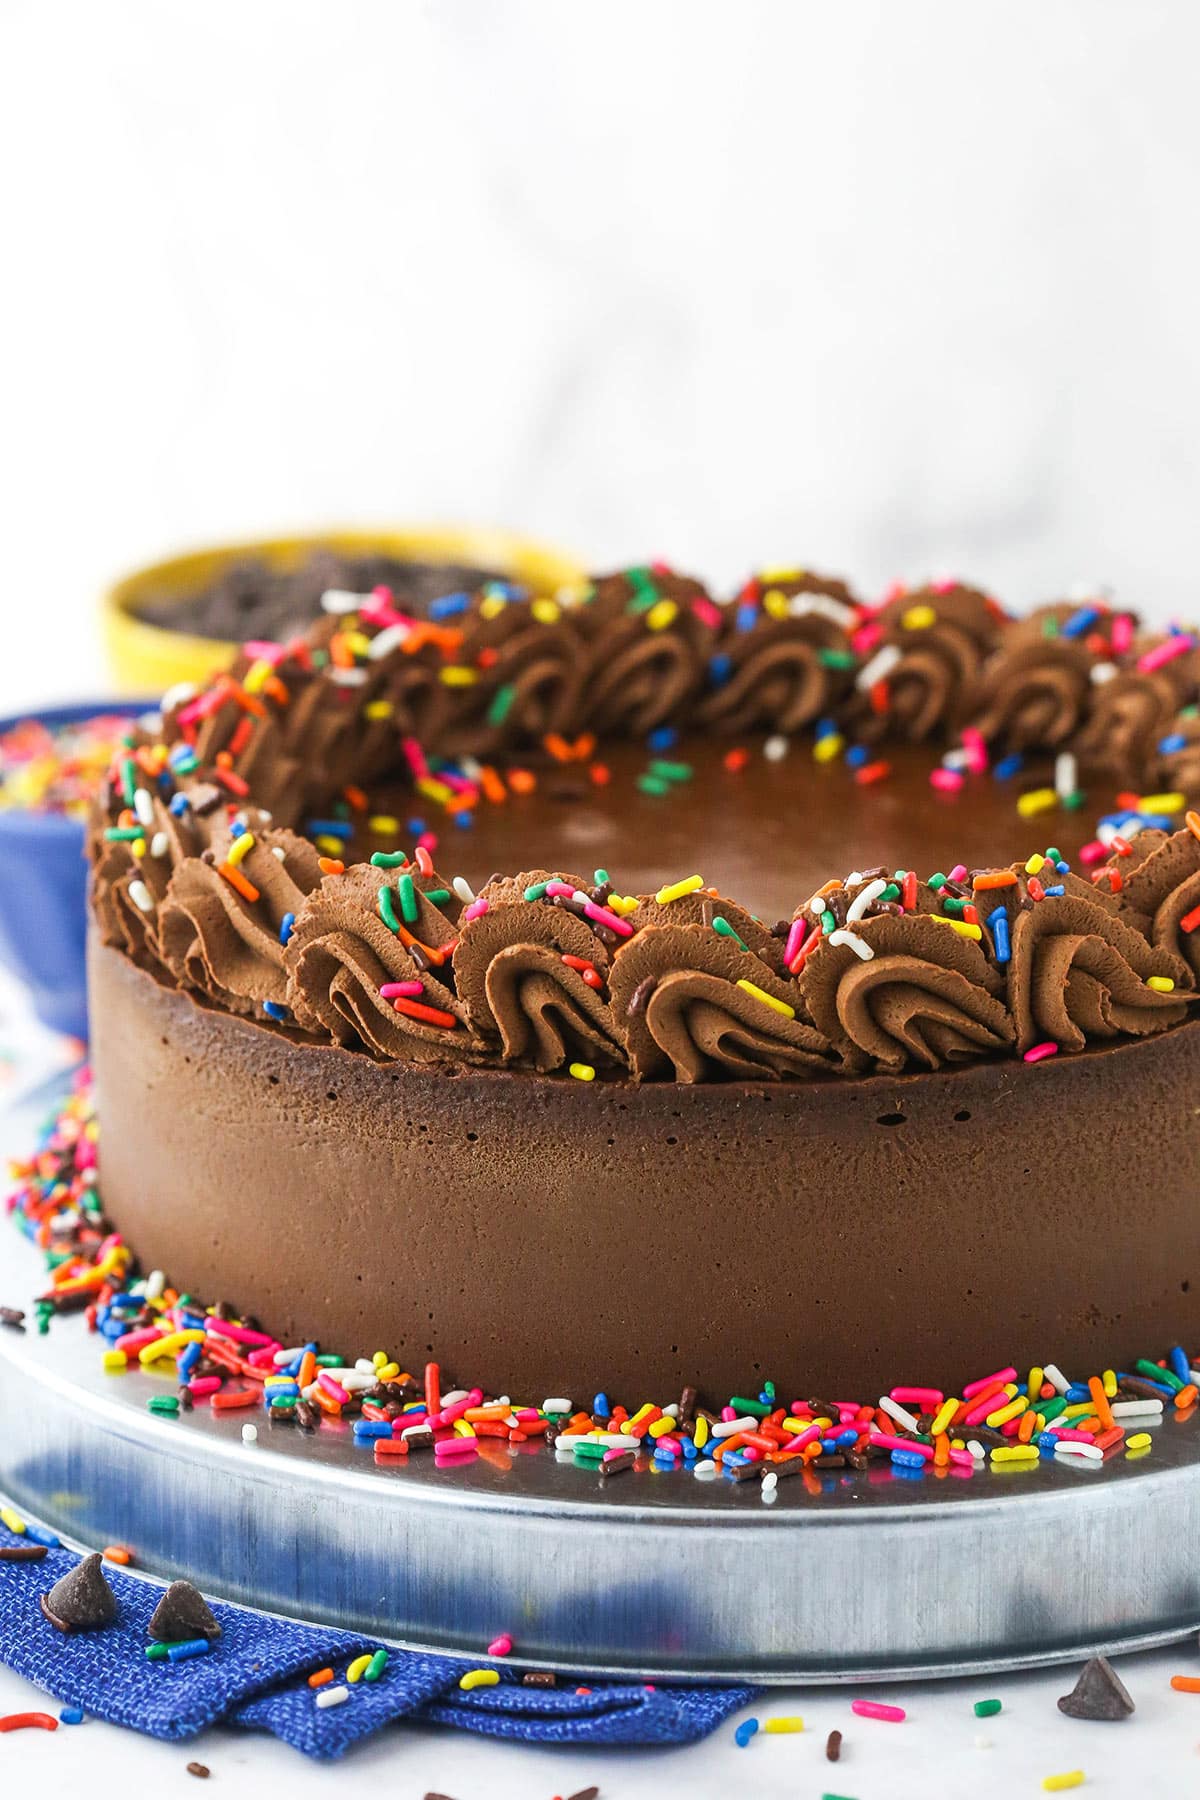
pixel 255 1676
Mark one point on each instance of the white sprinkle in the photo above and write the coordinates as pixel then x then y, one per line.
pixel 727 1427
pixel 705 1470
pixel 143 806
pixel 159 844
pixel 977 1450
pixel 365 1366
pixel 852 941
pixel 878 668
pixel 1056 1378
pixel 982 1742
pixel 901 1414
pixel 347 677
pixel 264 817
pixel 1102 672
pixel 776 748
pixel 1066 775
pixel 156 1281
pixel 332 1696
pixel 864 899
pixel 141 896
pixel 1086 1452
pixel 389 639
pixel 340 600
pixel 249 1434
pixel 452 1398
pixel 835 610
pixel 353 1380
pixel 464 890
pixel 277 850
pixel 955 759
pixel 556 1406
pixel 179 695
pixel 770 1481
pixel 617 1440
pixel 471 767
pixel 1137 1409
pixel 286 1356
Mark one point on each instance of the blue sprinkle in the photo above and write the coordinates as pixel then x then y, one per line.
pixel 448 605
pixel 338 828
pixel 179 805
pixel 1081 622
pixel 415 827
pixel 1008 766
pixel 720 668
pixel 1157 822
pixel 372 1428
pixel 286 926
pixel 36 1535
pixel 273 1009
pixel 746 616
pixel 998 925
pixel 910 1469
pixel 237 829
pixel 662 738
pixel 745 1732
pixel 907 1459
pixel 187 1359
pixel 826 728
pixel 856 756
pixel 71 1715
pixel 1052 893
pixel 1180 1366
pixel 463 820
pixel 1168 745
pixel 829 1445
pixel 600 1406
pixel 1078 1391
pixel 189 1648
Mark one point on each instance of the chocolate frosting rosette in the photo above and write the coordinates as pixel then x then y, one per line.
pixel 650 633
pixel 1159 894
pixel 784 656
pixel 922 668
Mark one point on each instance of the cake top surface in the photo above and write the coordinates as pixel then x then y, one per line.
pixel 771 838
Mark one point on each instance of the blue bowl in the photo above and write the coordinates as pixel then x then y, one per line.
pixel 43 890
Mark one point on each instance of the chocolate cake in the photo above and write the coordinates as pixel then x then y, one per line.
pixel 863 1052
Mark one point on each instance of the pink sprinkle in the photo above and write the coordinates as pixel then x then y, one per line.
pixel 600 915
pixel 947 780
pixel 958 872
pixel 1165 652
pixel 476 910
pixel 963 1460
pixel 501 1646
pixel 707 613
pixel 727 1414
pixel 1121 635
pixel 1069 1433
pixel 945 584
pixel 559 890
pixel 241 1334
pixel 989 1400
pixel 200 1386
pixel 988 1381
pixel 456 1448
pixel 875 1709
pixel 414 756
pixel 264 1357
pixel 332 1387
pixel 912 1396
pixel 804 1437
pixel 866 638
pixel 1040 1052
pixel 132 1341
pixel 260 650
pixel 795 938
pixel 888 1441
pixel 976 749
pixel 401 990
pixel 1093 853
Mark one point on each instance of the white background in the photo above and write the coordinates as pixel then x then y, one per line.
pixel 887 288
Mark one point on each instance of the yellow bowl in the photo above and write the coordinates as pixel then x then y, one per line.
pixel 147 659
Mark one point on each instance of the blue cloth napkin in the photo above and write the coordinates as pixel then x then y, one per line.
pixel 255 1676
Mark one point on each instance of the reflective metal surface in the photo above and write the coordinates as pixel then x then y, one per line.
pixel 655 1574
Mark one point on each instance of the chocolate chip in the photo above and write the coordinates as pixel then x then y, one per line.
pixel 1098 1694
pixel 200 1769
pixel 183 1613
pixel 81 1600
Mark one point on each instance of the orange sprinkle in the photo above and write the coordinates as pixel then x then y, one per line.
pixel 1100 1402
pixel 941 1451
pixel 238 881
pixel 329 865
pixel 1192 821
pixel 583 746
pixel 1106 1439
pixel 492 785
pixel 1187 1396
pixel 322 1678
pixel 600 774
pixel 997 879
pixel 118 1553
pixel 735 760
pixel 558 746
pixel 427 1015
pixel 1025 1427
pixel 356 798
pixel 871 773
pixel 1186 1684
pixel 522 781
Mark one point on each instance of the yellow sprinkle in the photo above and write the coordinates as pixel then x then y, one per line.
pixel 661 614
pixel 378 1358
pixel 1005 1413
pixel 826 748
pixel 330 845
pixel 358 1668
pixel 700 1433
pixel 138 847
pixel 492 605
pixel 256 675
pixel 1080 1409
pixel 581 1071
pixel 240 848
pixel 167 1346
pixel 678 889
pixel 1054 1784
pixel 962 926
pixel 622 904
pixel 464 1428
pixel 1162 984
pixel 1141 1440
pixel 943 1416
pixel 546 612
pixel 14 1521
pixel 769 577
pixel 434 790
pixel 1033 1387
pixel 357 642
pixel 115 1361
pixel 1162 803
pixel 1035 863
pixel 786 1722
pixel 661 1426
pixel 383 824
pixel 775 603
pixel 479 1678
pixel 459 675
pixel 377 709
pixel 1039 801
pixel 779 1006
pixel 1109 1383
pixel 640 1414
pixel 1016 1453
pixel 918 618
pixel 389 1371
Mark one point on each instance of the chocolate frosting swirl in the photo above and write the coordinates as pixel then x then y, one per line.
pixel 1160 894
pixel 342 953
pixel 645 664
pixel 1079 972
pixel 942 636
pixel 925 997
pixel 784 655
pixel 1036 690
pixel 677 999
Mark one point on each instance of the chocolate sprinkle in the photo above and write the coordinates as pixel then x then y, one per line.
pixel 12 1315
pixel 22 1552
pixel 200 1769
pixel 833 1746
pixel 539 1678
pixel 183 1613
pixel 82 1599
pixel 1098 1694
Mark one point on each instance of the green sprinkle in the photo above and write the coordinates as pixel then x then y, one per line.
pixel 1074 801
pixel 501 705
pixel 156 1652
pixel 671 771
pixel 387 911
pixel 537 891
pixel 724 929
pixel 591 1452
pixel 1152 1372
pixel 653 784
pixel 1054 854
pixel 1050 1409
pixel 166 1404
pixel 987 1709
pixel 837 659
pixel 327 1360
pixel 283 1402
pixel 410 912
pixel 828 923
pixel 936 882
pixel 1050 627
pixel 388 859
pixel 129 779
pixel 376 1666
pixel 122 834
pixel 891 891
pixel 437 896
pixel 600 877
pixel 954 905
pixel 756 1408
